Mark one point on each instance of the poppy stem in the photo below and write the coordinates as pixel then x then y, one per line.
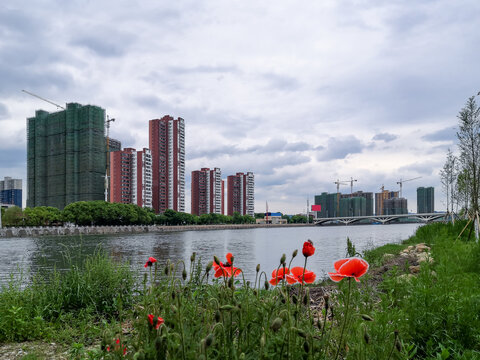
pixel 345 320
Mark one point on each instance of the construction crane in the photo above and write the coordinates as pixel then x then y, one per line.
pixel 41 98
pixel 351 185
pixel 338 182
pixel 402 181
pixel 107 169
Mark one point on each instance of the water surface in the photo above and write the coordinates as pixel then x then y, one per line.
pixel 262 246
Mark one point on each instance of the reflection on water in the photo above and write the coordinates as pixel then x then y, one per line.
pixel 250 246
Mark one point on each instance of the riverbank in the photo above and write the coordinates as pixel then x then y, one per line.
pixel 132 229
pixel 421 309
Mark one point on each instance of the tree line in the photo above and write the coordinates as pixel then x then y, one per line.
pixel 460 175
pixel 98 213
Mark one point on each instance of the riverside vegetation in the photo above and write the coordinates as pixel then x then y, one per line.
pixel 98 310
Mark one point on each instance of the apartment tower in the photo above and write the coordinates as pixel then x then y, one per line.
pixel 66 156
pixel 11 191
pixel 131 177
pixel 240 194
pixel 207 191
pixel 425 200
pixel 167 144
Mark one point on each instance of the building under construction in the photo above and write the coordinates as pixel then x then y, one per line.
pixel 66 156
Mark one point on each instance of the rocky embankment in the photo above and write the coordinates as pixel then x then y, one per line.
pixel 103 230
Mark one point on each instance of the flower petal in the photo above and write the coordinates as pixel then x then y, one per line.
pixel 336 276
pixel 291 279
pixel 339 263
pixel 229 257
pixel 354 267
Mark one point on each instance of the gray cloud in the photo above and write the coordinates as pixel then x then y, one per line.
pixel 4 114
pixel 203 69
pixel 340 148
pixel 281 82
pixel 384 137
pixel 446 134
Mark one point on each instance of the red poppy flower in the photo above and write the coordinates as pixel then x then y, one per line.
pixel 308 248
pixel 159 321
pixel 226 269
pixel 150 261
pixel 351 267
pixel 296 273
pixel 279 275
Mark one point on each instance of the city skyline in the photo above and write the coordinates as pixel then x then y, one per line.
pixel 363 90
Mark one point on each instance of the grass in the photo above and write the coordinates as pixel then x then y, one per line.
pixel 434 315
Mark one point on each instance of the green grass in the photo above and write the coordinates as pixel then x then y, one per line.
pixel 435 315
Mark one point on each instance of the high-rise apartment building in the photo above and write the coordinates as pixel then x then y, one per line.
pixel 329 204
pixel 395 206
pixel 425 200
pixel 380 198
pixel 240 194
pixel 11 191
pixel 66 156
pixel 131 177
pixel 167 144
pixel 207 192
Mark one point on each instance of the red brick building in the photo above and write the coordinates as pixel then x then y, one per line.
pixel 240 194
pixel 207 192
pixel 131 177
pixel 167 144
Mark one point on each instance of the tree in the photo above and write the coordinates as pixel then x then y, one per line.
pixel 448 176
pixel 13 216
pixel 469 144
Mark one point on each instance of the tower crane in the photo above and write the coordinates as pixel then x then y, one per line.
pixel 351 185
pixel 41 98
pixel 402 181
pixel 338 182
pixel 107 167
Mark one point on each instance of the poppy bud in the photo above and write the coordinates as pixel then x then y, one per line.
pixel 306 299
pixel 255 292
pixel 173 295
pixel 306 346
pixel 166 270
pixel 226 307
pixel 276 324
pixel 258 268
pixel 209 340
pixel 145 278
pixel 184 274
pixel 319 324
pixel 192 258
pixel 294 254
pixel 231 260
pixel 242 356
pixel 172 266
pixel 230 282
pixel 366 317
pixel 216 259
pixel 294 299
pixel 283 259
pixel 308 249
pixel 173 308
pixel 299 332
pixel 248 283
pixel 267 285
pixel 218 316
pixel 209 267
pixel 262 340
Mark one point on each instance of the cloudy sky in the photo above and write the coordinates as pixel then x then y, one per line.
pixel 300 93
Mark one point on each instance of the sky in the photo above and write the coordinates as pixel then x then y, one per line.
pixel 299 93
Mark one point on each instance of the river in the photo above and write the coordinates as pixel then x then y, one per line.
pixel 254 246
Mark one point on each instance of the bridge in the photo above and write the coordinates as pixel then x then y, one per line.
pixel 382 219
